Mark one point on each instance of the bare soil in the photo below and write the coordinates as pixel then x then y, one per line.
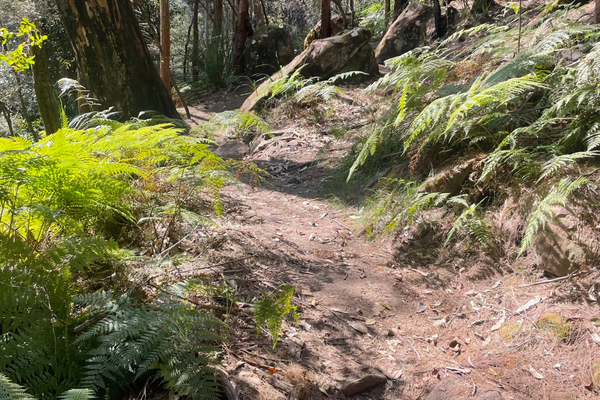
pixel 407 309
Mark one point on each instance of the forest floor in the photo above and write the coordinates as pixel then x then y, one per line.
pixel 436 326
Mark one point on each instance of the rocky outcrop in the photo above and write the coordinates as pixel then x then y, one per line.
pixel 408 32
pixel 267 50
pixel 325 58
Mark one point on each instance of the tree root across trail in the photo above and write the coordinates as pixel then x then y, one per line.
pixel 376 324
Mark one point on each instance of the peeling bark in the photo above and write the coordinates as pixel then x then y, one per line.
pixel 113 59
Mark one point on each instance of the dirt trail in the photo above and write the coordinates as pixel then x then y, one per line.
pixel 367 308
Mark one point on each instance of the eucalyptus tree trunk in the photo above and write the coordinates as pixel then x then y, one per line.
pixel 325 19
pixel 165 44
pixel 113 59
pixel 42 84
pixel 242 31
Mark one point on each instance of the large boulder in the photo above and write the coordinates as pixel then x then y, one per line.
pixel 337 25
pixel 408 32
pixel 267 49
pixel 325 58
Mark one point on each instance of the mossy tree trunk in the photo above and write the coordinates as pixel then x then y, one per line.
pixel 42 84
pixel 112 57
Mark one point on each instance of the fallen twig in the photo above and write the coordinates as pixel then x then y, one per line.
pixel 342 225
pixel 562 278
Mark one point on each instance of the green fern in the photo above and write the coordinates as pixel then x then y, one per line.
pixel 469 223
pixel 168 337
pixel 543 212
pixel 271 311
pixel 12 391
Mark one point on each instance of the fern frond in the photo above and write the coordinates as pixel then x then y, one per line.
pixel 543 212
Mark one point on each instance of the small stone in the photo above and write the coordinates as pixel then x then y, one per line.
pixel 363 384
pixel 358 326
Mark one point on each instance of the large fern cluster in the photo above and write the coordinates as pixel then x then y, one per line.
pixel 57 197
pixel 528 113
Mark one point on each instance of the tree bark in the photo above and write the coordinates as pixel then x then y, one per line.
pixel 165 44
pixel 113 59
pixel 386 10
pixel 42 84
pixel 242 32
pixel 399 6
pixel 7 117
pixel 325 19
pixel 218 4
pixel 597 11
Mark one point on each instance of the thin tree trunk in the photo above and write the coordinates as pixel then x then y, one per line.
pixel 597 11
pixel 399 6
pixel 218 4
pixel 7 117
pixel 262 3
pixel 186 50
pixel 196 43
pixel 352 12
pixel 325 19
pixel 386 10
pixel 440 28
pixel 36 136
pixel 340 8
pixel 42 84
pixel 165 44
pixel 242 31
pixel 114 61
pixel 260 19
pixel 206 23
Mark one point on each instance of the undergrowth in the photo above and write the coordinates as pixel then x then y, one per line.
pixel 525 119
pixel 59 201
